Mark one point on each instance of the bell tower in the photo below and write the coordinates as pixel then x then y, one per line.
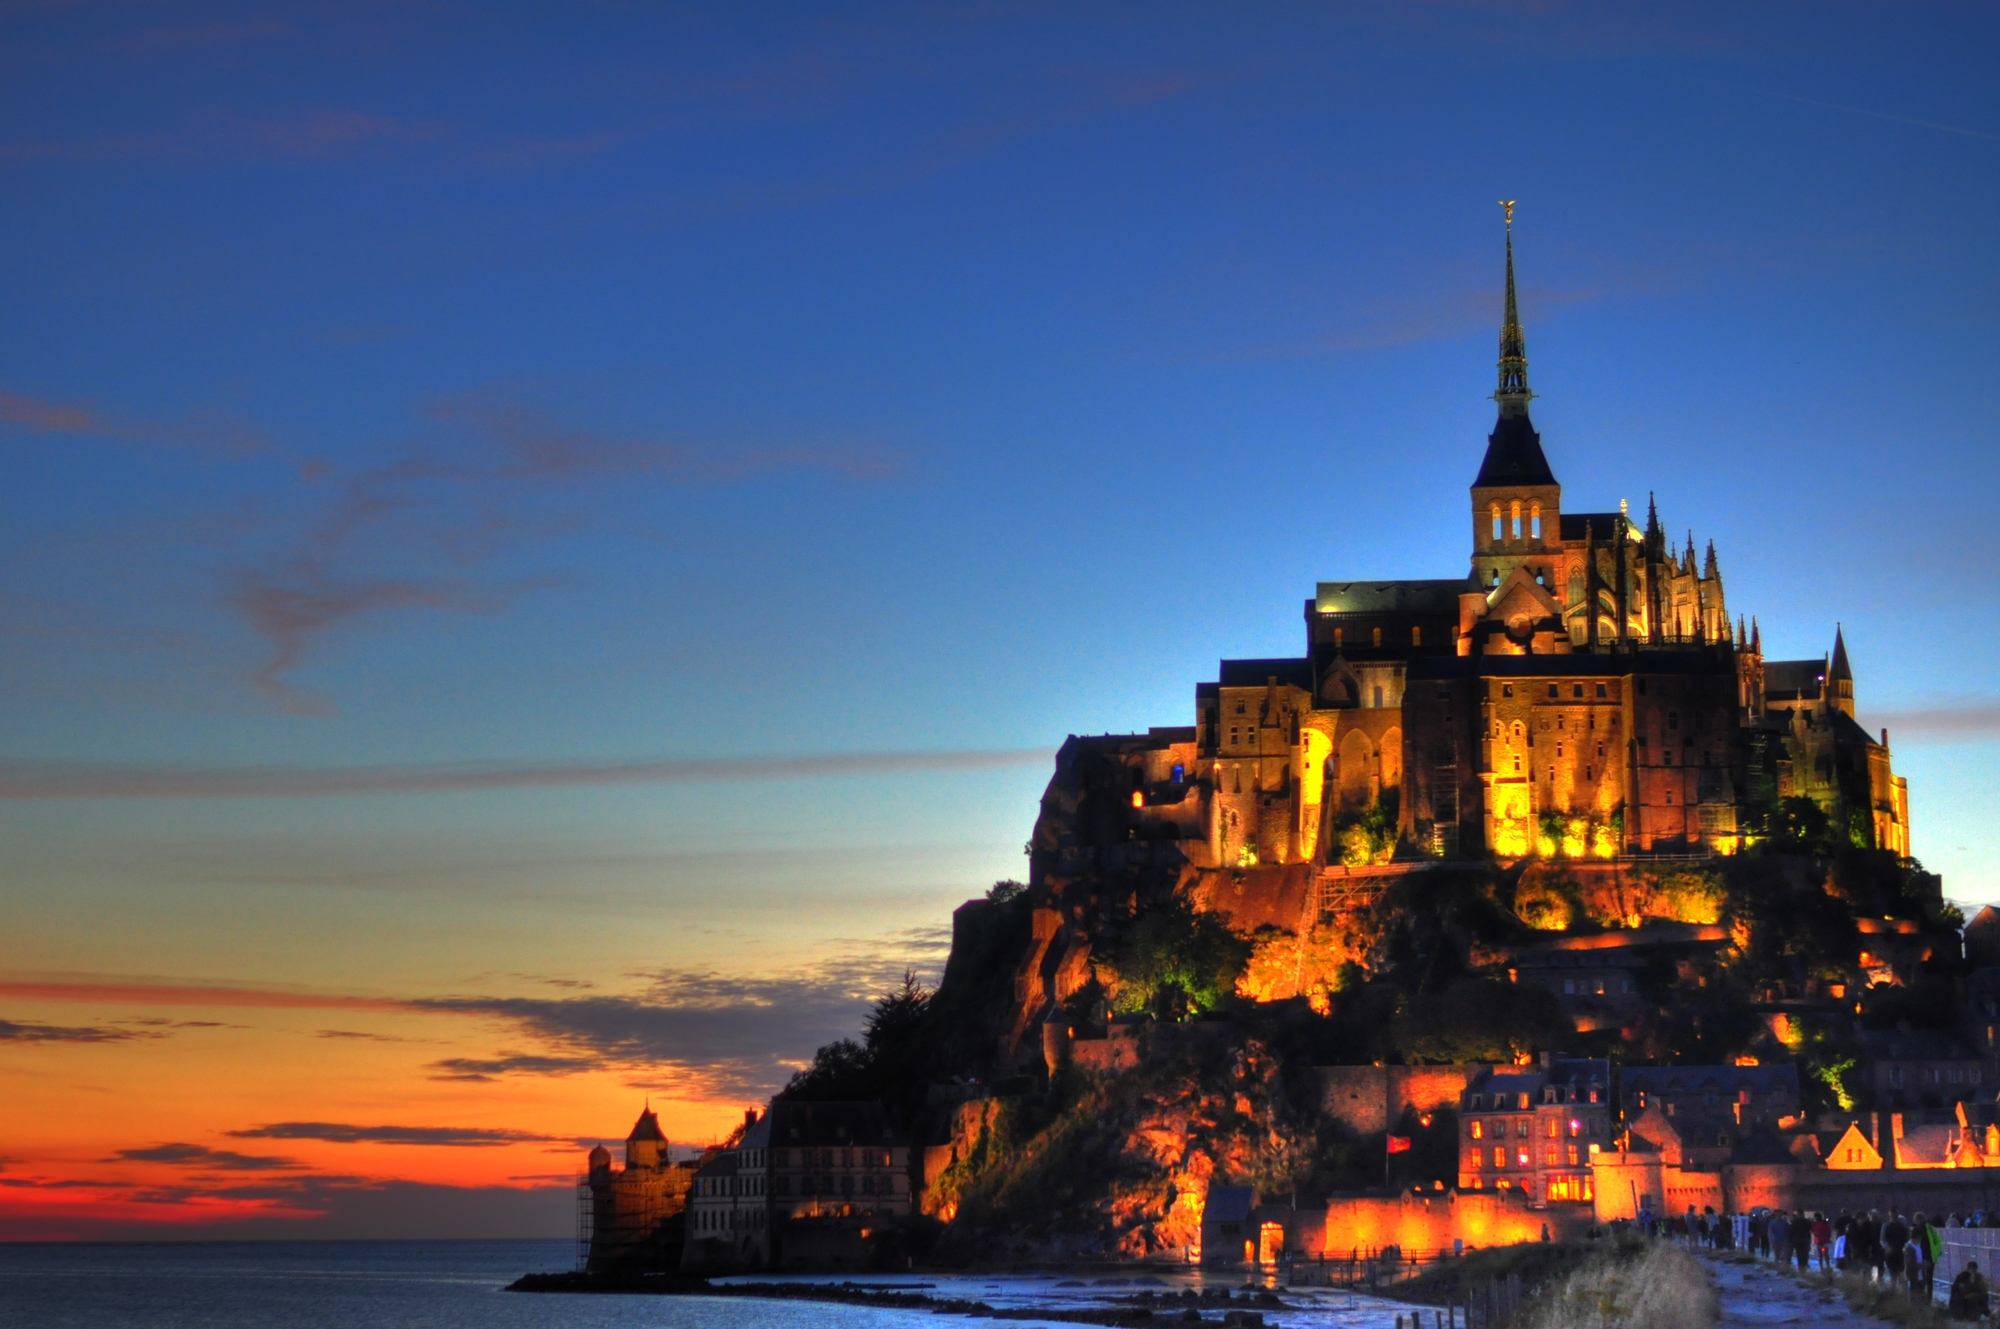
pixel 1516 502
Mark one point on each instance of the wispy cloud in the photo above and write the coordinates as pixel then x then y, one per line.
pixel 115 992
pixel 454 498
pixel 692 1032
pixel 1967 721
pixel 13 1031
pixel 1959 130
pixel 291 602
pixel 317 134
pixel 456 1137
pixel 486 1069
pixel 29 780
pixel 211 430
pixel 706 1032
pixel 200 1156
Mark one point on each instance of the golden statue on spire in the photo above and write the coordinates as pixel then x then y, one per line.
pixel 1508 204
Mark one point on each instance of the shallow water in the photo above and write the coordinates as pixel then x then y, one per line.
pixel 449 1284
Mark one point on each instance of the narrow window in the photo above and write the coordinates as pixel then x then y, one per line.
pixel 1497 533
pixel 1338 634
pixel 1576 691
pixel 1378 636
pixel 1600 689
pixel 1535 521
pixel 1514 512
pixel 1506 689
pixel 1554 691
pixel 1416 636
pixel 1378 698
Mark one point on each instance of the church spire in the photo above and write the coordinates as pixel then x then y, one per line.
pixel 1514 456
pixel 1513 394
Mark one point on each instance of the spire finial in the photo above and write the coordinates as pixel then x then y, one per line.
pixel 1513 394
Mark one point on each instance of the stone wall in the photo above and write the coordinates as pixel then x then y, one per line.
pixel 1369 1099
pixel 1622 1181
pixel 1431 1221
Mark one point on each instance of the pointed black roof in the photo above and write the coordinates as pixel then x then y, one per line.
pixel 1841 669
pixel 1514 455
pixel 647 1128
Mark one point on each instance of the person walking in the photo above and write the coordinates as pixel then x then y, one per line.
pixel 1895 1236
pixel 1802 1241
pixel 1822 1238
pixel 1779 1234
pixel 1870 1231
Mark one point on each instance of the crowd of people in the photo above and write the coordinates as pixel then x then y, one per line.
pixel 1895 1250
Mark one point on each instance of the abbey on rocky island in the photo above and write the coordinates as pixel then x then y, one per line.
pixel 1581 692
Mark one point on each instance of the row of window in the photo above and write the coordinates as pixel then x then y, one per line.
pixel 830 1158
pixel 1522 1101
pixel 810 1186
pixel 1555 1155
pixel 1592 987
pixel 1481 1130
pixel 1936 1075
pixel 1534 520
pixel 717 1220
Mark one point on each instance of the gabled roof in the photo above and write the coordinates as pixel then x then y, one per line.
pixel 1228 1204
pixel 721 1163
pixel 1601 525
pixel 794 1123
pixel 1762 1146
pixel 1296 673
pixel 1911 1045
pixel 1793 680
pixel 1728 1079
pixel 1925 1146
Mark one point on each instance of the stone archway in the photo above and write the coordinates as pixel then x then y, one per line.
pixel 1358 776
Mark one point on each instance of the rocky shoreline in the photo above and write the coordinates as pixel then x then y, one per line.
pixel 1141 1310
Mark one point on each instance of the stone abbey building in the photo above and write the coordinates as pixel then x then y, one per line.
pixel 1582 690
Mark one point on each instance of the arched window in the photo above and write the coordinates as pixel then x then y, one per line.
pixel 1416 636
pixel 1497 533
pixel 1378 636
pixel 1535 521
pixel 1514 511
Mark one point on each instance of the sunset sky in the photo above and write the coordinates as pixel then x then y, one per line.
pixel 543 549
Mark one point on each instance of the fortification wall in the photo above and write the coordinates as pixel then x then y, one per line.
pixel 1739 1188
pixel 1429 1222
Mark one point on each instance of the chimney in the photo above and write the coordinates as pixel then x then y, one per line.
pixel 749 1118
pixel 1875 1130
pixel 1896 1125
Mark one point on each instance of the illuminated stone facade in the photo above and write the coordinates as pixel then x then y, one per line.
pixel 630 1207
pixel 1581 692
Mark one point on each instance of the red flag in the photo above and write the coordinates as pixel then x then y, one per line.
pixel 1399 1144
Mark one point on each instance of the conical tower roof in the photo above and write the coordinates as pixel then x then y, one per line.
pixel 647 1128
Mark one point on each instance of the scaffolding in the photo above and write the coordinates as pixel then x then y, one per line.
pixel 586 1221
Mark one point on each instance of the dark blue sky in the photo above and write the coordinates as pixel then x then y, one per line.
pixel 425 383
